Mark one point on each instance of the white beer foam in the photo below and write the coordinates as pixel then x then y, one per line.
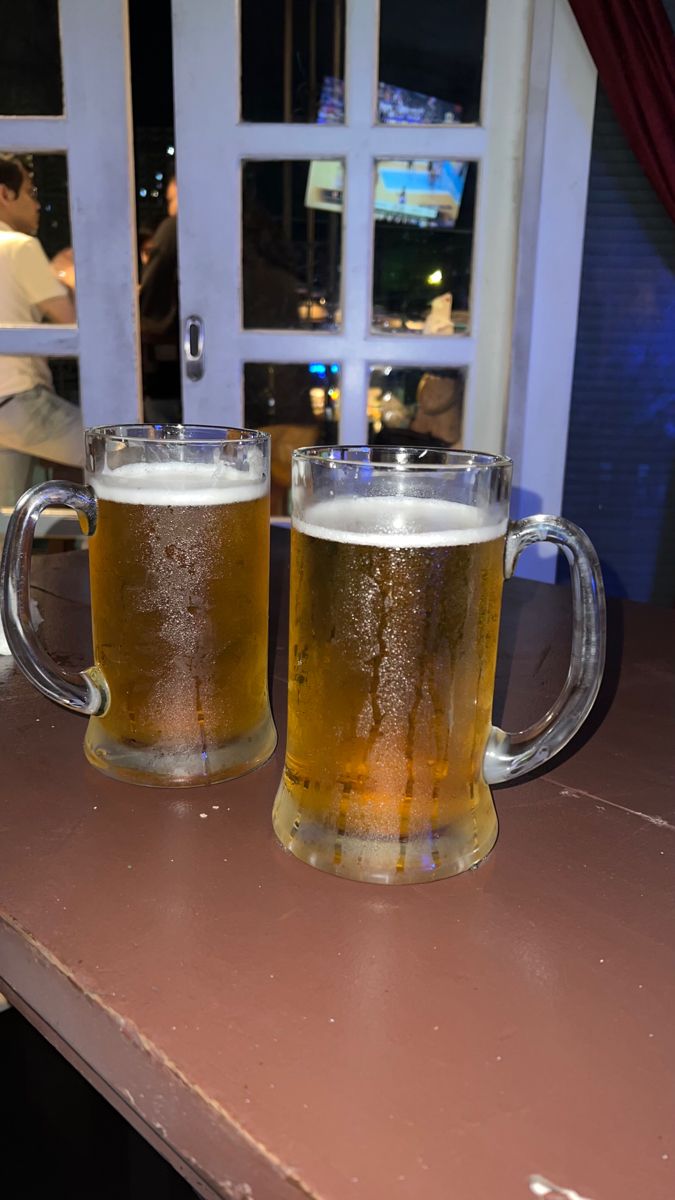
pixel 399 523
pixel 177 483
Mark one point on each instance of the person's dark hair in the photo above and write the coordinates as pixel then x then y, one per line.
pixel 12 171
pixel 144 234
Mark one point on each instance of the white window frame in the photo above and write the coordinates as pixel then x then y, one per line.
pixel 212 143
pixel 538 83
pixel 559 131
pixel 95 133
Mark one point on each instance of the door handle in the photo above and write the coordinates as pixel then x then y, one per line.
pixel 193 347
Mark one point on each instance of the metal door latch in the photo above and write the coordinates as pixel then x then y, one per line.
pixel 193 347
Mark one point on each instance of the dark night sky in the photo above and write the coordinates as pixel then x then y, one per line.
pixel 440 53
pixel 151 66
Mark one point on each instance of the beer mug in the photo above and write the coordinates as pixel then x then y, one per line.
pixel 178 521
pixel 397 562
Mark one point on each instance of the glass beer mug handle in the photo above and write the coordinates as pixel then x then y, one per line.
pixel 511 754
pixel 83 691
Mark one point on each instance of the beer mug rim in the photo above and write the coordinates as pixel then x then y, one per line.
pixel 404 458
pixel 192 435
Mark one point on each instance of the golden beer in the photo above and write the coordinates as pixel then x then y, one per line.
pixel 394 619
pixel 179 583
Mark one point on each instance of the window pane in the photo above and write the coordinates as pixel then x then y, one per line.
pixel 41 434
pixel 298 404
pixel 291 245
pixel 38 205
pixel 424 215
pixel 431 61
pixel 50 175
pixel 42 421
pixel 66 376
pixel 287 70
pixel 30 60
pixel 415 406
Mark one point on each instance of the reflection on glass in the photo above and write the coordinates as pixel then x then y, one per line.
pixel 30 60
pixel 50 176
pixel 284 71
pixel 37 272
pixel 291 245
pixel 414 406
pixel 298 404
pixel 395 106
pixel 422 192
pixel 431 61
pixel 36 204
pixel 66 376
pixel 424 215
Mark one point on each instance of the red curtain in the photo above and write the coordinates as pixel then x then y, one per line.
pixel 633 46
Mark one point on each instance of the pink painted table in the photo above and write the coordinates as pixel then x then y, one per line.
pixel 277 1033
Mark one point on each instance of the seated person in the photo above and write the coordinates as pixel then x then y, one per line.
pixel 437 412
pixel 438 416
pixel 34 420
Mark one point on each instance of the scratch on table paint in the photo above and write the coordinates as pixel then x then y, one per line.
pixel 34 587
pixel 580 794
pixel 552 1191
pixel 236 1191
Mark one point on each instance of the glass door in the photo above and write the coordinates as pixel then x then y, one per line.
pixel 348 210
pixel 65 110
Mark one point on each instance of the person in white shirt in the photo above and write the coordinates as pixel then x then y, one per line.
pixel 33 418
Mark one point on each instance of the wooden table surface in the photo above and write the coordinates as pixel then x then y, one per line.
pixel 278 1032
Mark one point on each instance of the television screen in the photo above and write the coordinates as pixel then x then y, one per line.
pixel 395 105
pixel 414 192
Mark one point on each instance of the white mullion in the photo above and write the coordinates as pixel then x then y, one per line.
pixel 560 124
pixel 505 73
pixel 100 183
pixel 361 59
pixel 37 135
pixel 428 141
pixel 397 349
pixel 430 351
pixel 529 222
pixel 361 63
pixel 51 341
pixel 206 84
pixel 270 142
pixel 353 427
